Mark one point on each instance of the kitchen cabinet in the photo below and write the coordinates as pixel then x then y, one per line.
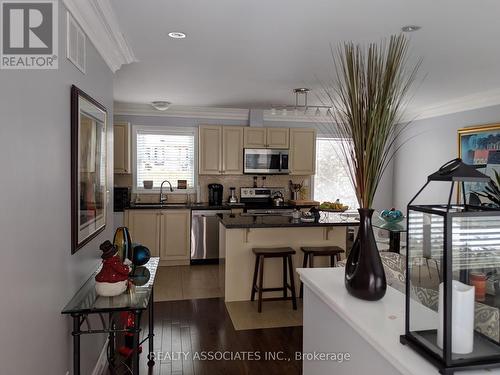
pixel 121 148
pixel 255 137
pixel 144 228
pixel 266 137
pixel 166 233
pixel 210 149
pixel 278 137
pixel 175 228
pixel 220 150
pixel 232 150
pixel 302 156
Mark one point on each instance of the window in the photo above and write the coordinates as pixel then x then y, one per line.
pixel 164 154
pixel 332 180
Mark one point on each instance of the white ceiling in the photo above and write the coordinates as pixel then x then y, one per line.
pixel 252 53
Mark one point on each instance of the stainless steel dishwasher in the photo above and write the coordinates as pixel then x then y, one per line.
pixel 205 235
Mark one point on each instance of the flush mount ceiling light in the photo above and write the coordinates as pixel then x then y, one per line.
pixel 177 35
pixel 160 105
pixel 410 28
pixel 304 108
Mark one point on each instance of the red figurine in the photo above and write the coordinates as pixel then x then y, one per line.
pixel 112 279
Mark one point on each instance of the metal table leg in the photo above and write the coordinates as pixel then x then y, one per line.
pixel 151 334
pixel 394 242
pixel 111 338
pixel 136 332
pixel 76 343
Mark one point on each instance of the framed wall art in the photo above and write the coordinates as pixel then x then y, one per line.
pixel 480 146
pixel 88 168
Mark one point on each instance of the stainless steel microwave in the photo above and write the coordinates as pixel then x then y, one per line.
pixel 265 161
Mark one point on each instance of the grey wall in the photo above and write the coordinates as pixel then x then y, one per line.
pixel 429 144
pixel 38 272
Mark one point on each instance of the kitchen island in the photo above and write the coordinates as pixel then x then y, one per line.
pixel 239 233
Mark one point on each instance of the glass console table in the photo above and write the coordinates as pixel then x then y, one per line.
pixel 136 300
pixel 394 229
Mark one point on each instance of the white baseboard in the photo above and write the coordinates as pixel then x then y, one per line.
pixel 102 361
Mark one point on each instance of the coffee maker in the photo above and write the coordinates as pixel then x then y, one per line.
pixel 215 192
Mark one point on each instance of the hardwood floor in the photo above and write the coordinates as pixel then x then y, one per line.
pixel 203 327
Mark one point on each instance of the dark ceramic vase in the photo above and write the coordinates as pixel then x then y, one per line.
pixel 364 272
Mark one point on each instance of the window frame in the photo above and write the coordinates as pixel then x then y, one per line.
pixel 191 130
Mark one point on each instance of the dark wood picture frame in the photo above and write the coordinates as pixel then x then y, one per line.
pixel 100 153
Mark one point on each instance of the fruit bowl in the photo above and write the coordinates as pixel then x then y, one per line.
pixel 392 216
pixel 333 207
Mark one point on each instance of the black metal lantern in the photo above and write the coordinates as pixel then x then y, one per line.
pixel 452 294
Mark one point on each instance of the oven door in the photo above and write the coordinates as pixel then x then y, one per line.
pixel 265 161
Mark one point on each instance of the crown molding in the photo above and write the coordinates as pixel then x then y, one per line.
pixel 465 103
pixel 140 109
pixel 99 22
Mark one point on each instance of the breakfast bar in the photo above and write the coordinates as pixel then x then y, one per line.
pixel 240 233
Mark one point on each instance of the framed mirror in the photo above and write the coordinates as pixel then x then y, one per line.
pixel 88 168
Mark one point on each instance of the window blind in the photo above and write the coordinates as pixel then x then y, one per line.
pixel 165 154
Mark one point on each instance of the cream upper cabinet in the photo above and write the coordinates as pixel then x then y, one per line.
pixel 277 137
pixel 144 227
pixel 232 150
pixel 255 137
pixel 210 149
pixel 302 151
pixel 220 150
pixel 175 234
pixel 266 137
pixel 121 148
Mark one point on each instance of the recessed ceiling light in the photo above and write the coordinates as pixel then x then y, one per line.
pixel 410 28
pixel 177 35
pixel 160 105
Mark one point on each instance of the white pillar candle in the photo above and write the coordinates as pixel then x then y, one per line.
pixel 462 317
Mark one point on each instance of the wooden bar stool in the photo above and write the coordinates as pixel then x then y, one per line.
pixel 278 252
pixel 310 252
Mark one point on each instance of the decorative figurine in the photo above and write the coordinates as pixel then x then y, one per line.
pixel 140 255
pixel 123 243
pixel 392 215
pixel 113 277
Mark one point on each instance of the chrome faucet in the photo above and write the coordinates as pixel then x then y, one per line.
pixel 163 196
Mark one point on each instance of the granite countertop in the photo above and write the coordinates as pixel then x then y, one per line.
pixel 204 206
pixel 190 206
pixel 233 221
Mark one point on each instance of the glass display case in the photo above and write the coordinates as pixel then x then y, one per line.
pixel 452 294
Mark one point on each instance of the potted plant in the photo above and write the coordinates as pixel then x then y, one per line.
pixel 492 190
pixel 368 99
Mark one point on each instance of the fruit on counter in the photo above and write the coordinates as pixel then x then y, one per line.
pixel 335 206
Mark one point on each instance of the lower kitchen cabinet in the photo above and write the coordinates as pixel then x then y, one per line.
pixel 165 232
pixel 174 237
pixel 144 228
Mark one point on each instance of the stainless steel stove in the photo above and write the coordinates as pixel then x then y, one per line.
pixel 267 212
pixel 259 201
